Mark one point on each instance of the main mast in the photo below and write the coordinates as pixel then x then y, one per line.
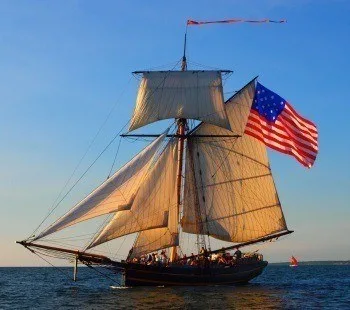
pixel 181 131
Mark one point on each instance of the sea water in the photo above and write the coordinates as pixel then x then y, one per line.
pixel 279 287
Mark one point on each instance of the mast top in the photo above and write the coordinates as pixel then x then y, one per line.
pixel 184 60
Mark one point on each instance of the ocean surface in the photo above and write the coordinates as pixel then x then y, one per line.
pixel 279 287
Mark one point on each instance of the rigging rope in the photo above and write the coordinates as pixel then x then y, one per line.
pixel 115 158
pixel 101 273
pixel 57 268
pixel 76 182
pixel 54 206
pixel 99 229
pixel 66 274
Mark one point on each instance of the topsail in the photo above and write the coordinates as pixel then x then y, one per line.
pixel 176 94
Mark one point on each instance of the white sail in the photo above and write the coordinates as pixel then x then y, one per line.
pixel 238 108
pixel 177 94
pixel 229 189
pixel 153 240
pixel 154 204
pixel 115 194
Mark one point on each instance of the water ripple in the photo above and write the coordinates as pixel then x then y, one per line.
pixel 279 287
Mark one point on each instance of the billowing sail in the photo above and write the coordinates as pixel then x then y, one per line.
pixel 229 189
pixel 154 204
pixel 177 94
pixel 115 194
pixel 154 240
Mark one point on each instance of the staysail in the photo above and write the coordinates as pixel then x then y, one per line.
pixel 180 94
pixel 154 240
pixel 115 194
pixel 229 189
pixel 154 205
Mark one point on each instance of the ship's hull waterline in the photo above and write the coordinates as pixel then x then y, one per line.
pixel 174 275
pixel 143 275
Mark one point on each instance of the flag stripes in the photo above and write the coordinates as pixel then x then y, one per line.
pixel 280 132
pixel 311 126
pixel 278 147
pixel 290 134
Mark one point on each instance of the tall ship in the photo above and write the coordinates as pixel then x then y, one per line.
pixel 206 179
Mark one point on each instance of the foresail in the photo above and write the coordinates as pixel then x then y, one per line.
pixel 115 194
pixel 154 204
pixel 153 240
pixel 229 189
pixel 180 94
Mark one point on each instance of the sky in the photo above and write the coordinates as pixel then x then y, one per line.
pixel 65 75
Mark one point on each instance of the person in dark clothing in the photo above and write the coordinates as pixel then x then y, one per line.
pixel 238 254
pixel 129 255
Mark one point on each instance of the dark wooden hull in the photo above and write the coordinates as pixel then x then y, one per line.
pixel 142 275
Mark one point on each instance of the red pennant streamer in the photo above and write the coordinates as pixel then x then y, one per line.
pixel 231 21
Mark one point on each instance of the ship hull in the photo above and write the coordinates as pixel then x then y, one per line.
pixel 143 275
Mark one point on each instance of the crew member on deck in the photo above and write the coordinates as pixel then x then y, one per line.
pixel 238 254
pixel 130 253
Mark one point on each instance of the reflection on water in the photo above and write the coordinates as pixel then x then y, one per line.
pixel 252 296
pixel 279 287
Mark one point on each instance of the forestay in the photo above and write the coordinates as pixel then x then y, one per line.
pixel 229 189
pixel 115 194
pixel 180 94
pixel 154 204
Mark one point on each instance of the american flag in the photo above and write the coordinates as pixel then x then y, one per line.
pixel 273 121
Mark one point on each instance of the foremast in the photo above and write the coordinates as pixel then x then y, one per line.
pixel 181 132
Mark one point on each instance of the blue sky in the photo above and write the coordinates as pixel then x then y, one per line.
pixel 65 64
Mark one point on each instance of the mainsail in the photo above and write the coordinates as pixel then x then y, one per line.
pixel 115 194
pixel 154 205
pixel 229 189
pixel 177 94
